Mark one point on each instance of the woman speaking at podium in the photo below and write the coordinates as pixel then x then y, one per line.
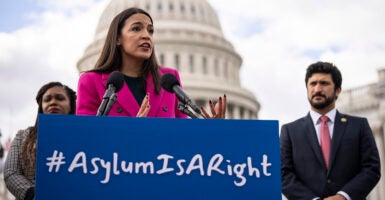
pixel 129 49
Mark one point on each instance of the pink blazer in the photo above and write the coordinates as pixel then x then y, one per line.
pixel 92 86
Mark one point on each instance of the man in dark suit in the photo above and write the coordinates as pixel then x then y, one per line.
pixel 327 154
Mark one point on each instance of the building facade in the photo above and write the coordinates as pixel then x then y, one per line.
pixel 369 101
pixel 189 38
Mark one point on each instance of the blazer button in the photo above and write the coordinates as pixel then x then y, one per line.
pixel 165 109
pixel 329 181
pixel 119 110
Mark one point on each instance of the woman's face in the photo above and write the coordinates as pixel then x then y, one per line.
pixel 56 101
pixel 135 38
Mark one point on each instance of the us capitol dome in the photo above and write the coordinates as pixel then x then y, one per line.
pixel 189 38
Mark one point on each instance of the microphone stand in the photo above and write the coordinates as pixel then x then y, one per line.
pixel 202 115
pixel 110 103
pixel 108 95
pixel 184 109
pixel 104 103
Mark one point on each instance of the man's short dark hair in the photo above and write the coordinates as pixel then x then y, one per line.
pixel 326 68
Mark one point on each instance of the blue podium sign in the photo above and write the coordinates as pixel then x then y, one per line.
pixel 87 157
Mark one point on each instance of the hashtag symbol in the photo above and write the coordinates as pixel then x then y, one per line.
pixel 55 161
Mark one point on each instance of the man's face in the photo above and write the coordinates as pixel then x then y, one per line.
pixel 320 91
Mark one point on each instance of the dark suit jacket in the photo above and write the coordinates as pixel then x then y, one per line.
pixel 354 160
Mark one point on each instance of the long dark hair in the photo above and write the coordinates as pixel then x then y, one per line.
pixel 28 147
pixel 111 58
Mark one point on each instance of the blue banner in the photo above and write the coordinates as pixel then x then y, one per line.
pixel 87 157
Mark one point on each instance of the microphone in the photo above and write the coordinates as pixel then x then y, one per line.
pixel 114 84
pixel 171 84
pixel 184 109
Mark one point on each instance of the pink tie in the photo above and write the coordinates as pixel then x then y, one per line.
pixel 325 139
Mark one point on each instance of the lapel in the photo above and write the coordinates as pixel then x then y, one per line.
pixel 128 102
pixel 313 140
pixel 155 99
pixel 338 132
pixel 125 98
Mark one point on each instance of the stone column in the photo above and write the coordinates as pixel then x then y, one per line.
pixel 236 114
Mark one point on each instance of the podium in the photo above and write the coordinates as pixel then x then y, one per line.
pixel 89 157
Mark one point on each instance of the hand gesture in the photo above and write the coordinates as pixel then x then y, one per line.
pixel 144 107
pixel 218 111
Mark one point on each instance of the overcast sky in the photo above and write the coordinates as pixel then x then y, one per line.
pixel 42 40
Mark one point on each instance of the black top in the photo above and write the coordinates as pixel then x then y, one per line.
pixel 137 87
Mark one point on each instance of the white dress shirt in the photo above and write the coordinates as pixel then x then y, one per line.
pixel 317 125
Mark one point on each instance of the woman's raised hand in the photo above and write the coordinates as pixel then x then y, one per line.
pixel 145 107
pixel 218 111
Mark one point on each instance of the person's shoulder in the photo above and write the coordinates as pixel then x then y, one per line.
pixel 296 122
pixel 167 70
pixel 23 133
pixel 91 77
pixel 299 120
pixel 90 74
pixel 346 117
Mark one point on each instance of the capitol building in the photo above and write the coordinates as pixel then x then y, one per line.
pixel 188 37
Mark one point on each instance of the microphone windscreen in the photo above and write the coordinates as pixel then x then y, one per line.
pixel 168 81
pixel 116 79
